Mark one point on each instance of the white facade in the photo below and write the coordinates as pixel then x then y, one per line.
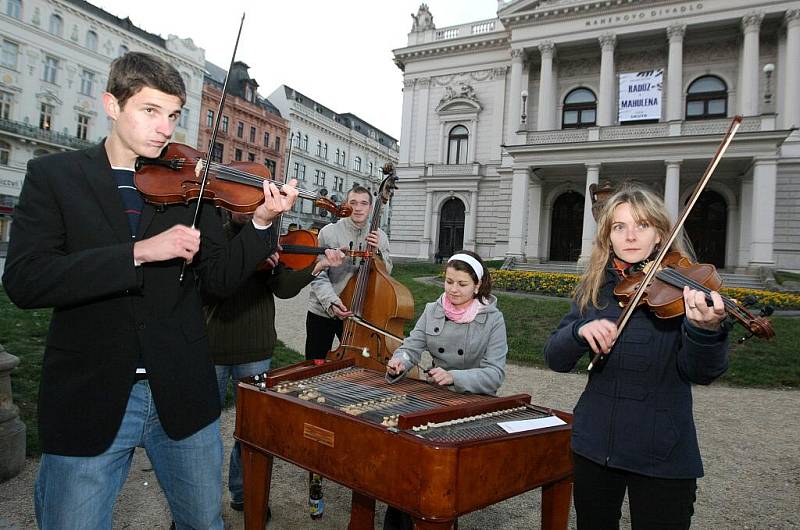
pixel 53 71
pixel 330 153
pixel 507 121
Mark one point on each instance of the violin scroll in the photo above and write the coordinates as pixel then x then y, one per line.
pixel 339 210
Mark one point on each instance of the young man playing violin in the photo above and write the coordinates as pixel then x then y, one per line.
pixel 241 328
pixel 634 429
pixel 127 360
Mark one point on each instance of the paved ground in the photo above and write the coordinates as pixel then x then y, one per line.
pixel 749 439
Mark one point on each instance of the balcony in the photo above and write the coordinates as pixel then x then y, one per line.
pixel 26 131
pixel 650 130
pixel 468 30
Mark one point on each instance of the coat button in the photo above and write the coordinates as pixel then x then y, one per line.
pixel 441 350
pixel 461 352
pixel 436 330
pixel 141 325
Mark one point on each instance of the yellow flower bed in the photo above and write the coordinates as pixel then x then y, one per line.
pixel 560 284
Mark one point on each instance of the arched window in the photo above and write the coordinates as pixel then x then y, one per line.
pixel 5 153
pixel 14 8
pixel 457 145
pixel 357 163
pixel 91 40
pixel 580 109
pixel 707 97
pixel 56 25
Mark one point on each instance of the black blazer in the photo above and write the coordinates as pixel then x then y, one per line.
pixel 71 249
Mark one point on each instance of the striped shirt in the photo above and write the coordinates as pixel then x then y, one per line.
pixel 132 201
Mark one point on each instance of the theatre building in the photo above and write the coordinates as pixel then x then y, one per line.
pixel 508 121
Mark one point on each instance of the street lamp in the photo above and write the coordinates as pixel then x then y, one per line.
pixel 768 69
pixel 524 95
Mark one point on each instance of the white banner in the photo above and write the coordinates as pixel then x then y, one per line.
pixel 640 95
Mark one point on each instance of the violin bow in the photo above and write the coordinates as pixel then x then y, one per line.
pixel 622 321
pixel 213 140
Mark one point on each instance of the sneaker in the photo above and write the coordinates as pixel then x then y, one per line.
pixel 239 507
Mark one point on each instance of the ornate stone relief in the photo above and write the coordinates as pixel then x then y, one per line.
pixel 607 41
pixel 642 60
pixel 462 91
pixel 74 35
pixel 676 31
pixel 424 82
pixel 547 48
pixel 752 22
pixel 578 67
pixel 792 15
pixel 423 20
pixel 37 17
pixel 517 53
pixel 409 83
pixel 704 54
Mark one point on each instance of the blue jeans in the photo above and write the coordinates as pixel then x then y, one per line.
pixel 80 492
pixel 237 372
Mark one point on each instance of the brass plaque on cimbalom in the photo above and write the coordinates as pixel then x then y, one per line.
pixel 318 434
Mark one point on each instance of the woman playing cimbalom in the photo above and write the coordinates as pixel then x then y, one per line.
pixel 465 334
pixel 463 330
pixel 633 426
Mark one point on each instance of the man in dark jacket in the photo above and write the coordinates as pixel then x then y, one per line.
pixel 241 329
pixel 127 361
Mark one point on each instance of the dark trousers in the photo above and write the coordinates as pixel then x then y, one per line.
pixel 319 335
pixel 655 503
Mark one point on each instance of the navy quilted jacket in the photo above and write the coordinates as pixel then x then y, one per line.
pixel 636 413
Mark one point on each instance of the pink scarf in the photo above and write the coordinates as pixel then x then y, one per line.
pixel 463 314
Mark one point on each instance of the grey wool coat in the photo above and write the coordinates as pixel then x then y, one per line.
pixel 474 353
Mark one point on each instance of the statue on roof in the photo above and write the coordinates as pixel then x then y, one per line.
pixel 423 20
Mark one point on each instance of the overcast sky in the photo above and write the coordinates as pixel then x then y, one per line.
pixel 338 52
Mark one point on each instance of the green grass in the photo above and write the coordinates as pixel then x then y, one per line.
pixel 531 319
pixel 782 276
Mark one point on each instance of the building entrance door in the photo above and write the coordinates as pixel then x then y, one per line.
pixel 566 227
pixel 451 228
pixel 707 226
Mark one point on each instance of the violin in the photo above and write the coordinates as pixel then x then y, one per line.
pixel 238 186
pixel 299 249
pixel 664 294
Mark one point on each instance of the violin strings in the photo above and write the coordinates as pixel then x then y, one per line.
pixel 243 177
pixel 677 279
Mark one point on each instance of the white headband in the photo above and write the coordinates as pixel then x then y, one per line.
pixel 469 260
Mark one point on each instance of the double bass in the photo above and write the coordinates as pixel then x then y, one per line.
pixel 380 304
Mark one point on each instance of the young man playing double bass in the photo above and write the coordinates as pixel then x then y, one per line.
pixel 325 309
pixel 126 363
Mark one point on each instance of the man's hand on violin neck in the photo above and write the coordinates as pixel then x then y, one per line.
pixel 276 202
pixel 178 242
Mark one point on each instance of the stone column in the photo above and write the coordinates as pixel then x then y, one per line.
pixel 763 220
pixel 534 217
pixel 675 35
pixel 422 100
pixel 517 56
pixel 545 111
pixel 472 227
pixel 672 187
pixel 425 244
pixel 791 88
pixel 745 222
pixel 12 430
pixel 589 224
pixel 751 73
pixel 519 213
pixel 497 124
pixel 405 127
pixel 605 103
